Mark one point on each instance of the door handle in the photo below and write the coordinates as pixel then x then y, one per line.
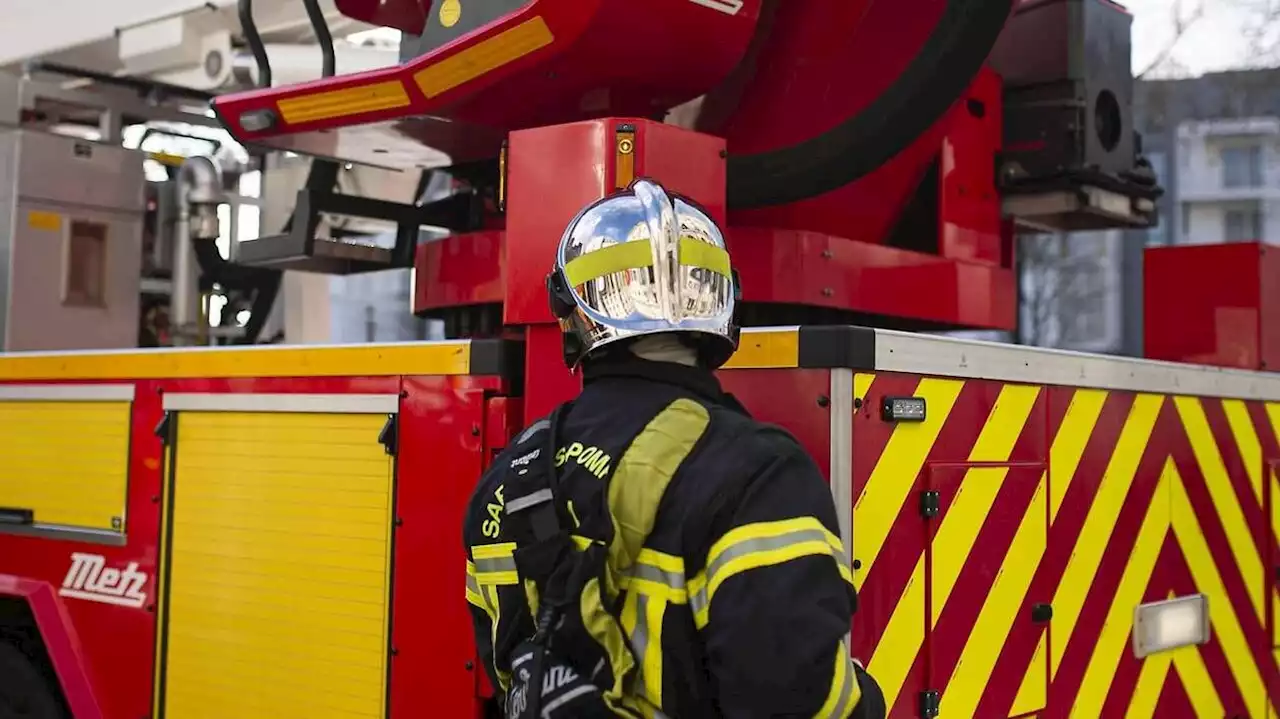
pixel 1041 612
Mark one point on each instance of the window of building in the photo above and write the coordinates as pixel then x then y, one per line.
pixel 1242 166
pixel 1242 225
pixel 1186 220
pixel 85 266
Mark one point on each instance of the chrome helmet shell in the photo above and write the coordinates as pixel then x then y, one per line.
pixel 643 262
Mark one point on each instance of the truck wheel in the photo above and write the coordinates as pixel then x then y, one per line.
pixel 24 691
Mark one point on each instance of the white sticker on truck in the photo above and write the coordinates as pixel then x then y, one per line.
pixel 728 7
pixel 90 578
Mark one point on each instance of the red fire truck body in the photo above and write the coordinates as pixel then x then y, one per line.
pixel 276 532
pixel 1084 483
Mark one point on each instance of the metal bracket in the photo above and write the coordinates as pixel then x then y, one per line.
pixel 300 249
pixel 930 704
pixel 164 429
pixel 388 437
pixel 930 503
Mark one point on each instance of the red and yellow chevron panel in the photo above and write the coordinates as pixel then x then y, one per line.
pixel 1010 589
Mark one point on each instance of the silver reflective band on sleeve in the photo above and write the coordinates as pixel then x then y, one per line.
pixel 700 598
pixel 496 564
pixel 472 584
pixel 538 497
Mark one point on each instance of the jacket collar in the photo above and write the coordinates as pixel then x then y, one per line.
pixel 697 380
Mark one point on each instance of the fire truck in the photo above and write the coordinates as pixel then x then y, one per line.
pixel 275 531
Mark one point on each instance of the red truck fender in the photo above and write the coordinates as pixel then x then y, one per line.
pixel 60 641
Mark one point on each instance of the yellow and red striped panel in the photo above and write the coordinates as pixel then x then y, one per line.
pixel 1090 501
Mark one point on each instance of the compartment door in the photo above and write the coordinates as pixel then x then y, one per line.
pixel 278 562
pixel 988 531
pixel 1272 469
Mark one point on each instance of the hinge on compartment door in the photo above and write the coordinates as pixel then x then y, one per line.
pixel 164 429
pixel 930 703
pixel 930 504
pixel 389 435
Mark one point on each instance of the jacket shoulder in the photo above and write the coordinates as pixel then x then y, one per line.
pixel 483 520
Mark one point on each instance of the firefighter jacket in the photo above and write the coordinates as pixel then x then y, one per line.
pixel 731 591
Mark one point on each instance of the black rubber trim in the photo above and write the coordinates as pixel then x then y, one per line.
pixel 931 83
pixel 503 358
pixel 837 346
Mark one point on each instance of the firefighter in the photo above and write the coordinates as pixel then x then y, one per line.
pixel 649 549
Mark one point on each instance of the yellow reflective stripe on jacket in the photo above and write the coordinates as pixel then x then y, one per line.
pixel 762 544
pixel 635 491
pixel 845 692
pixel 474 597
pixel 495 564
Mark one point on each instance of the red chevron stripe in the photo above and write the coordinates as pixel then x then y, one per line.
pixel 1174 702
pixel 1125 680
pixel 1019 650
pixel 906 540
pixel 994 538
pixel 1237 472
pixel 1224 682
pixel 1110 570
pixel 1216 538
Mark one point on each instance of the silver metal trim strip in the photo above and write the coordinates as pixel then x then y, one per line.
pixel 67 392
pixel 309 403
pixel 68 534
pixel 947 357
pixel 841 410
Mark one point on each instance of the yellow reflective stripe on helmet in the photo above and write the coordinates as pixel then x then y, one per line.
pixel 495 564
pixel 638 254
pixel 845 692
pixel 762 544
pixel 696 253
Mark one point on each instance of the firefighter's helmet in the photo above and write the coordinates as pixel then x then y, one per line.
pixel 639 263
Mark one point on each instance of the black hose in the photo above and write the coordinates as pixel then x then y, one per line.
pixel 323 36
pixel 936 76
pixel 251 36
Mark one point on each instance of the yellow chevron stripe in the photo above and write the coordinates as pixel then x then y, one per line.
pixel 1064 459
pixel 1034 692
pixel 1068 446
pixel 890 482
pixel 1100 522
pixel 1119 623
pixel 904 634
pixel 1196 681
pixel 963 520
pixel 862 385
pixel 1190 668
pixel 1001 608
pixel 1246 437
pixel 1224 623
pixel 1155 669
pixel 1225 502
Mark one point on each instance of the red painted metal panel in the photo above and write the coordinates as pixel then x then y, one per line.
pixel 442 421
pixel 587 69
pixel 795 399
pixel 1228 317
pixel 61 642
pixel 969 216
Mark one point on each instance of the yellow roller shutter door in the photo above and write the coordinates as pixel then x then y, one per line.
pixel 278 592
pixel 65 460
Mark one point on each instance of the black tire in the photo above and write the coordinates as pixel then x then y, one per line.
pixel 25 692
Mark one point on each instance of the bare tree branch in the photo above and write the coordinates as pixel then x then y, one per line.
pixel 1183 20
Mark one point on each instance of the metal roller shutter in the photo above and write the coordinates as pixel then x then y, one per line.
pixel 279 566
pixel 65 460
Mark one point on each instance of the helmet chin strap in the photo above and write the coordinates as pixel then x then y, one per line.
pixel 664 348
